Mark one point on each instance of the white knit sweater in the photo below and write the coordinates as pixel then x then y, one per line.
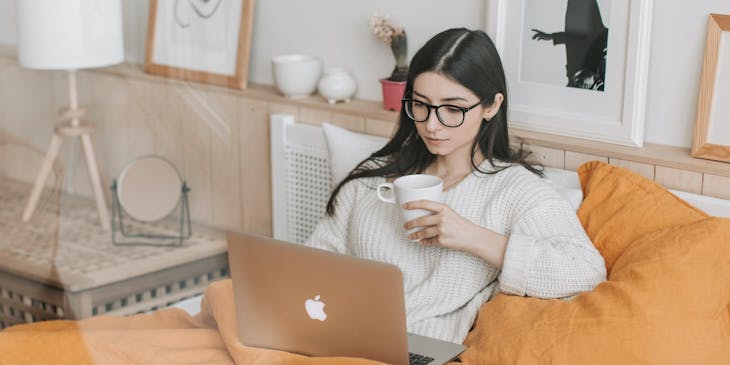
pixel 548 253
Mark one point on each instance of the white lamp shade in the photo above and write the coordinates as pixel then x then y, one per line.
pixel 69 34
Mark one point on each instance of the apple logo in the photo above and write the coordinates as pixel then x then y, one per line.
pixel 315 309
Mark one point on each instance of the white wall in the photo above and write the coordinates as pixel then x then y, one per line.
pixel 337 32
pixel 677 51
pixel 8 32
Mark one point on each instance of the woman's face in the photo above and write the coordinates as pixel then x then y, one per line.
pixel 436 89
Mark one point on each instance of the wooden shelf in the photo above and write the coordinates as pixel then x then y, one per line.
pixel 268 93
pixel 653 154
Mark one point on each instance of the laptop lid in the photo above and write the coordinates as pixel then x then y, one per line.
pixel 304 300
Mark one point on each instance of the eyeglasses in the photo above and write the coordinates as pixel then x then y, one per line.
pixel 450 116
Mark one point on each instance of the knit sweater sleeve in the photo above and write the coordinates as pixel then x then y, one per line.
pixel 548 253
pixel 331 233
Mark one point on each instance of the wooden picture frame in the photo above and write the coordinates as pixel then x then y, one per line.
pixel 714 85
pixel 206 42
pixel 614 115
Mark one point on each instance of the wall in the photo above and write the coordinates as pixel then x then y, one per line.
pixel 337 31
pixel 334 30
pixel 677 51
pixel 218 138
pixel 8 32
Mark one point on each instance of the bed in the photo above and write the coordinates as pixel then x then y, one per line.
pixel 666 301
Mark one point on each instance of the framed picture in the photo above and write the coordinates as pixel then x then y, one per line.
pixel 712 127
pixel 576 68
pixel 200 40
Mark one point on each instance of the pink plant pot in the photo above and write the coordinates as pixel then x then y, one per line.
pixel 392 94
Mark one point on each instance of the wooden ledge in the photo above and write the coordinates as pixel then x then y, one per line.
pixel 654 154
pixel 268 93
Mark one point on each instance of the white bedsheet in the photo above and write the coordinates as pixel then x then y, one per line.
pixel 190 305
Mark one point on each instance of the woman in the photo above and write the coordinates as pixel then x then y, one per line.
pixel 499 228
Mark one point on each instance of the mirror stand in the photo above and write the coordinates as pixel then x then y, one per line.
pixel 127 238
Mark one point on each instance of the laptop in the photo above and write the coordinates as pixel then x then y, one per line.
pixel 314 302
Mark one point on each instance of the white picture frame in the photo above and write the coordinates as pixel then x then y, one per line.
pixel 614 115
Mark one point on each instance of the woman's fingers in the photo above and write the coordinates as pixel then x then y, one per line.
pixel 429 220
pixel 429 232
pixel 429 242
pixel 433 206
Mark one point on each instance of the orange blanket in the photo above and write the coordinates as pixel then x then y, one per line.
pixel 168 336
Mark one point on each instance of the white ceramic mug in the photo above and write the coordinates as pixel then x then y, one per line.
pixel 410 188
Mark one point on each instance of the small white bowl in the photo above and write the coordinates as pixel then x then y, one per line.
pixel 296 75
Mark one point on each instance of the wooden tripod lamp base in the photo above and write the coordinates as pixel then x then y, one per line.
pixel 71 127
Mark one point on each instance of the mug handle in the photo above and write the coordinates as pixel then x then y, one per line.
pixel 384 198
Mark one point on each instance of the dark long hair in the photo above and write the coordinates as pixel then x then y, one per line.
pixel 471 59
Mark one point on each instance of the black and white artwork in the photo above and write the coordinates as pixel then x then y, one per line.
pixel 565 43
pixel 198 35
pixel 575 68
pixel 200 40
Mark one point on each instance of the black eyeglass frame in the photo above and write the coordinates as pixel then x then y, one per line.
pixel 464 110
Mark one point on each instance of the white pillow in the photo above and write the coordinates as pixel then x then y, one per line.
pixel 347 148
pixel 713 206
pixel 572 195
pixel 567 185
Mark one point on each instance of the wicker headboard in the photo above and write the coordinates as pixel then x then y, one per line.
pixel 300 176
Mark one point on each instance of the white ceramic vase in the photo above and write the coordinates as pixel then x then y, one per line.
pixel 296 75
pixel 337 85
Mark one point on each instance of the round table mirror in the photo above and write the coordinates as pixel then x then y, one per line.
pixel 149 188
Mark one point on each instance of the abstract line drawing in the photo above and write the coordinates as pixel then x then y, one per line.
pixel 204 9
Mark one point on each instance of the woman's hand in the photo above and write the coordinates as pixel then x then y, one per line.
pixel 448 229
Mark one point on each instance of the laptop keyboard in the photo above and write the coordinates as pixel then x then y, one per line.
pixel 416 359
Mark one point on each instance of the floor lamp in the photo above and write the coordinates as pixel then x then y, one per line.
pixel 70 35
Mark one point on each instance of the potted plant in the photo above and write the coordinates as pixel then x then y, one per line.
pixel 395 85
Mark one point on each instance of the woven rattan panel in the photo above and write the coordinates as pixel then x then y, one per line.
pixel 308 185
pixel 62 264
pixel 17 306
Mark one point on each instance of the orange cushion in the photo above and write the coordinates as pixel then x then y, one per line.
pixel 666 300
pixel 619 206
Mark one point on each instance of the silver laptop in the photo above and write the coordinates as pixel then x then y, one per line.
pixel 304 300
